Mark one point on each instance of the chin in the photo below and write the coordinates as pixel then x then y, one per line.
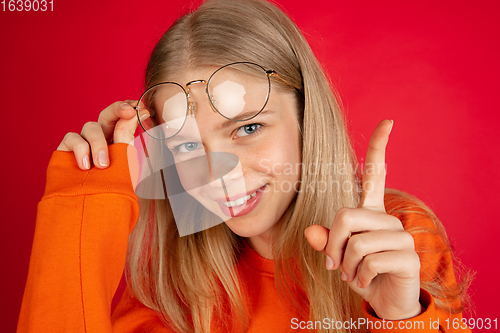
pixel 248 228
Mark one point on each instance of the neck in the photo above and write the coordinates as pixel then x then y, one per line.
pixel 262 245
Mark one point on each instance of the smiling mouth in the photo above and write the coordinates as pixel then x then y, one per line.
pixel 242 200
pixel 239 201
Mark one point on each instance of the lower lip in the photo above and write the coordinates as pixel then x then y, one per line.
pixel 248 206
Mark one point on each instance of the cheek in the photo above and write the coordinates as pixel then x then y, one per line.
pixel 279 156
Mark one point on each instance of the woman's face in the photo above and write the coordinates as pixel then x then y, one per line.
pixel 256 189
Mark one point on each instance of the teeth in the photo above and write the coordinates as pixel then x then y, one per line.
pixel 240 201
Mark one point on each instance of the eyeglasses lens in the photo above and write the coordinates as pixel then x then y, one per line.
pixel 238 92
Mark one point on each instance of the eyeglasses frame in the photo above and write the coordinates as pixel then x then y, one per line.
pixel 190 106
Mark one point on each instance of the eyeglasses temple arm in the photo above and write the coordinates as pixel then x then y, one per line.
pixel 272 72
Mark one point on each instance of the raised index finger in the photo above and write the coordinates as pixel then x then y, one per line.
pixel 374 169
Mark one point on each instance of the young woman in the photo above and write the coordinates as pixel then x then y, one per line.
pixel 298 239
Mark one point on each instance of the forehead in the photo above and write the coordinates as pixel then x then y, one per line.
pixel 185 75
pixel 247 70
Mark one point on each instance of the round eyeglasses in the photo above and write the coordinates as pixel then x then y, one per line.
pixel 238 91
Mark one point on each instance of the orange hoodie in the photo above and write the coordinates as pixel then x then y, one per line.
pixel 80 246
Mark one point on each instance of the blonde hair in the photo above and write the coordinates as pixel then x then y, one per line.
pixel 187 279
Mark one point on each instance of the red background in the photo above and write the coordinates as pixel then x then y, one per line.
pixel 429 65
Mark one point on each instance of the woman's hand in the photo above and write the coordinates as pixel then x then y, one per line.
pixel 376 255
pixel 117 123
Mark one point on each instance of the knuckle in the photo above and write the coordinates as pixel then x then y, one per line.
pixel 92 124
pixel 414 259
pixel 370 265
pixel 89 127
pixel 395 222
pixel 92 131
pixel 344 216
pixel 408 240
pixel 363 278
pixel 82 146
pixel 69 136
pixel 357 245
pixel 102 115
pixel 412 262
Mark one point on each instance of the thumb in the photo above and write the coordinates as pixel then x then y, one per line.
pixel 133 165
pixel 125 128
pixel 317 236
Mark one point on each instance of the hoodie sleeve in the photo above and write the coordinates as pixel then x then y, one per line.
pixel 80 245
pixel 436 264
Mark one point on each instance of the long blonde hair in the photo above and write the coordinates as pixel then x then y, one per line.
pixel 187 279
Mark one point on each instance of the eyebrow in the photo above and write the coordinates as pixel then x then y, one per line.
pixel 179 137
pixel 227 123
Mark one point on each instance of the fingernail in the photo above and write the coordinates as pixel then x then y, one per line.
pixel 329 263
pixel 86 162
pixel 125 106
pixel 359 284
pixel 144 117
pixel 390 128
pixel 101 157
pixel 343 276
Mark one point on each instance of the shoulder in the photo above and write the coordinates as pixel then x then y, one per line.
pixel 131 315
pixel 431 244
pixel 420 221
pixel 413 213
pixel 437 270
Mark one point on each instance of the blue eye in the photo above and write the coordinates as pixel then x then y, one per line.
pixel 187 147
pixel 248 129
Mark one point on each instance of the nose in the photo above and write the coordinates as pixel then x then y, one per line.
pixel 223 161
pixel 224 165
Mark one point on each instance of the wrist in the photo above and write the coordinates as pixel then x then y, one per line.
pixel 415 311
